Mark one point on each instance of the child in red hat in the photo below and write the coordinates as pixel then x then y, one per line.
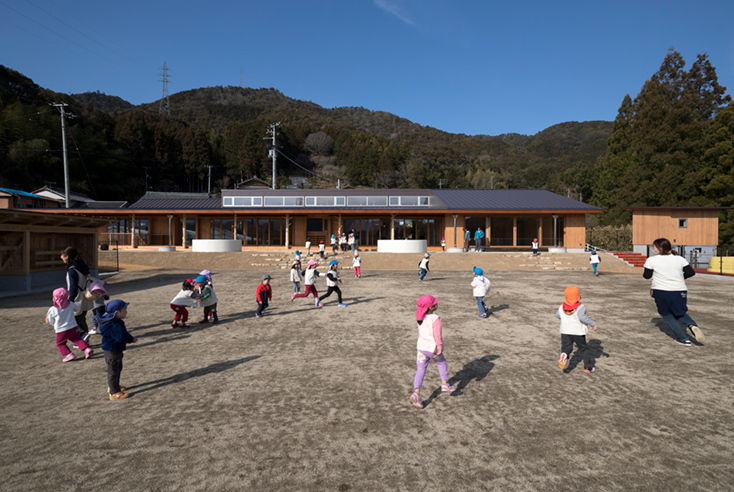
pixel 574 327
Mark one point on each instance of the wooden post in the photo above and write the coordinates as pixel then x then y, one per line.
pixel 392 226
pixel 287 231
pixel 183 236
pixel 133 242
pixel 514 230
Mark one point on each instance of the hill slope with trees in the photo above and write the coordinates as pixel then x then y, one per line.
pixel 671 145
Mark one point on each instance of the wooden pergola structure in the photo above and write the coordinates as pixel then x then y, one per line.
pixel 30 243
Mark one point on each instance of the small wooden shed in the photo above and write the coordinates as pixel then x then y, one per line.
pixel 30 246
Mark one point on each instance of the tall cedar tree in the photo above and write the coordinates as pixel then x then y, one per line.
pixel 655 154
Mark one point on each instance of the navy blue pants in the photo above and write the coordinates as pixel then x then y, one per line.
pixel 673 307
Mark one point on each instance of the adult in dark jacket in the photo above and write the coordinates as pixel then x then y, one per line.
pixel 76 281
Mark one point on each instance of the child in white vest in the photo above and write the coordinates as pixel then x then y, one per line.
pixel 430 347
pixel 574 327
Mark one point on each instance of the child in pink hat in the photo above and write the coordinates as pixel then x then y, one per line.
pixel 310 277
pixel 430 347
pixel 61 316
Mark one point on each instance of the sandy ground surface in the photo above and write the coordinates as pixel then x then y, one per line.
pixel 317 399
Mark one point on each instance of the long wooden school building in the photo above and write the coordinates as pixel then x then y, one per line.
pixel 285 218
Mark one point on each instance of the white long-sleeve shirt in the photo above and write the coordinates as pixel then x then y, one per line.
pixel 63 319
pixel 295 275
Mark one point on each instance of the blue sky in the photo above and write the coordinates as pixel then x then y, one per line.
pixel 462 66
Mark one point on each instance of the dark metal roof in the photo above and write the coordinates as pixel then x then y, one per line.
pixel 509 200
pixel 440 200
pixel 177 204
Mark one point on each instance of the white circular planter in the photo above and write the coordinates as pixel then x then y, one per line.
pixel 216 245
pixel 557 250
pixel 402 246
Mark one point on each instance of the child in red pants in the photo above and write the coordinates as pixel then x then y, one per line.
pixel 186 297
pixel 61 316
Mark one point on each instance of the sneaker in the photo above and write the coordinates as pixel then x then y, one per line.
pixel 174 326
pixel 203 321
pixel 685 343
pixel 75 345
pixel 122 389
pixel 216 319
pixel 183 326
pixel 94 331
pixel 88 353
pixel 700 337
pixel 589 370
pixel 341 305
pixel 118 396
pixel 447 388
pixel 563 361
pixel 483 315
pixel 69 358
pixel 415 399
pixel 257 316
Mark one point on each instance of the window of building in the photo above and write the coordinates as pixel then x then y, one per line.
pixel 242 201
pixel 409 201
pixel 682 223
pixel 220 229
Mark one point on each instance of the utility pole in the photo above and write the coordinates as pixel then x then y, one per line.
pixel 273 132
pixel 440 183
pixel 209 188
pixel 61 107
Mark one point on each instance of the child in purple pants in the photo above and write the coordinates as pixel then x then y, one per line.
pixel 430 347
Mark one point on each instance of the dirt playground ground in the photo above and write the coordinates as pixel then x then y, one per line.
pixel 317 399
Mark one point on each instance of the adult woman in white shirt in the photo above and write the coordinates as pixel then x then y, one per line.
pixel 668 272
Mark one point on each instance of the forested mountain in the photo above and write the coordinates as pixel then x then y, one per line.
pixel 671 145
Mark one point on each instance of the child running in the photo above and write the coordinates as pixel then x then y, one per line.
pixel 594 259
pixel 481 286
pixel 310 279
pixel 114 342
pixel 209 299
pixel 263 294
pixel 332 283
pixel 186 297
pixel 61 316
pixel 296 277
pixel 423 265
pixel 357 264
pixel 574 327
pixel 430 347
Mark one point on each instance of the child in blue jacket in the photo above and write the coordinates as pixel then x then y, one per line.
pixel 114 341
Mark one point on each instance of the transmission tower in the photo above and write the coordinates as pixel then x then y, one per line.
pixel 165 106
pixel 273 152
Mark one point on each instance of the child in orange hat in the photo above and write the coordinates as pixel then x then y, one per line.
pixel 574 327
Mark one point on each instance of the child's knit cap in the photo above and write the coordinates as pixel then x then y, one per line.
pixel 61 298
pixel 572 295
pixel 478 271
pixel 424 303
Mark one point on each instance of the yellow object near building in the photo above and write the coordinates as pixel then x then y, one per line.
pixel 721 264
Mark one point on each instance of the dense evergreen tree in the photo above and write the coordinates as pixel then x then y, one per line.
pixel 654 156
